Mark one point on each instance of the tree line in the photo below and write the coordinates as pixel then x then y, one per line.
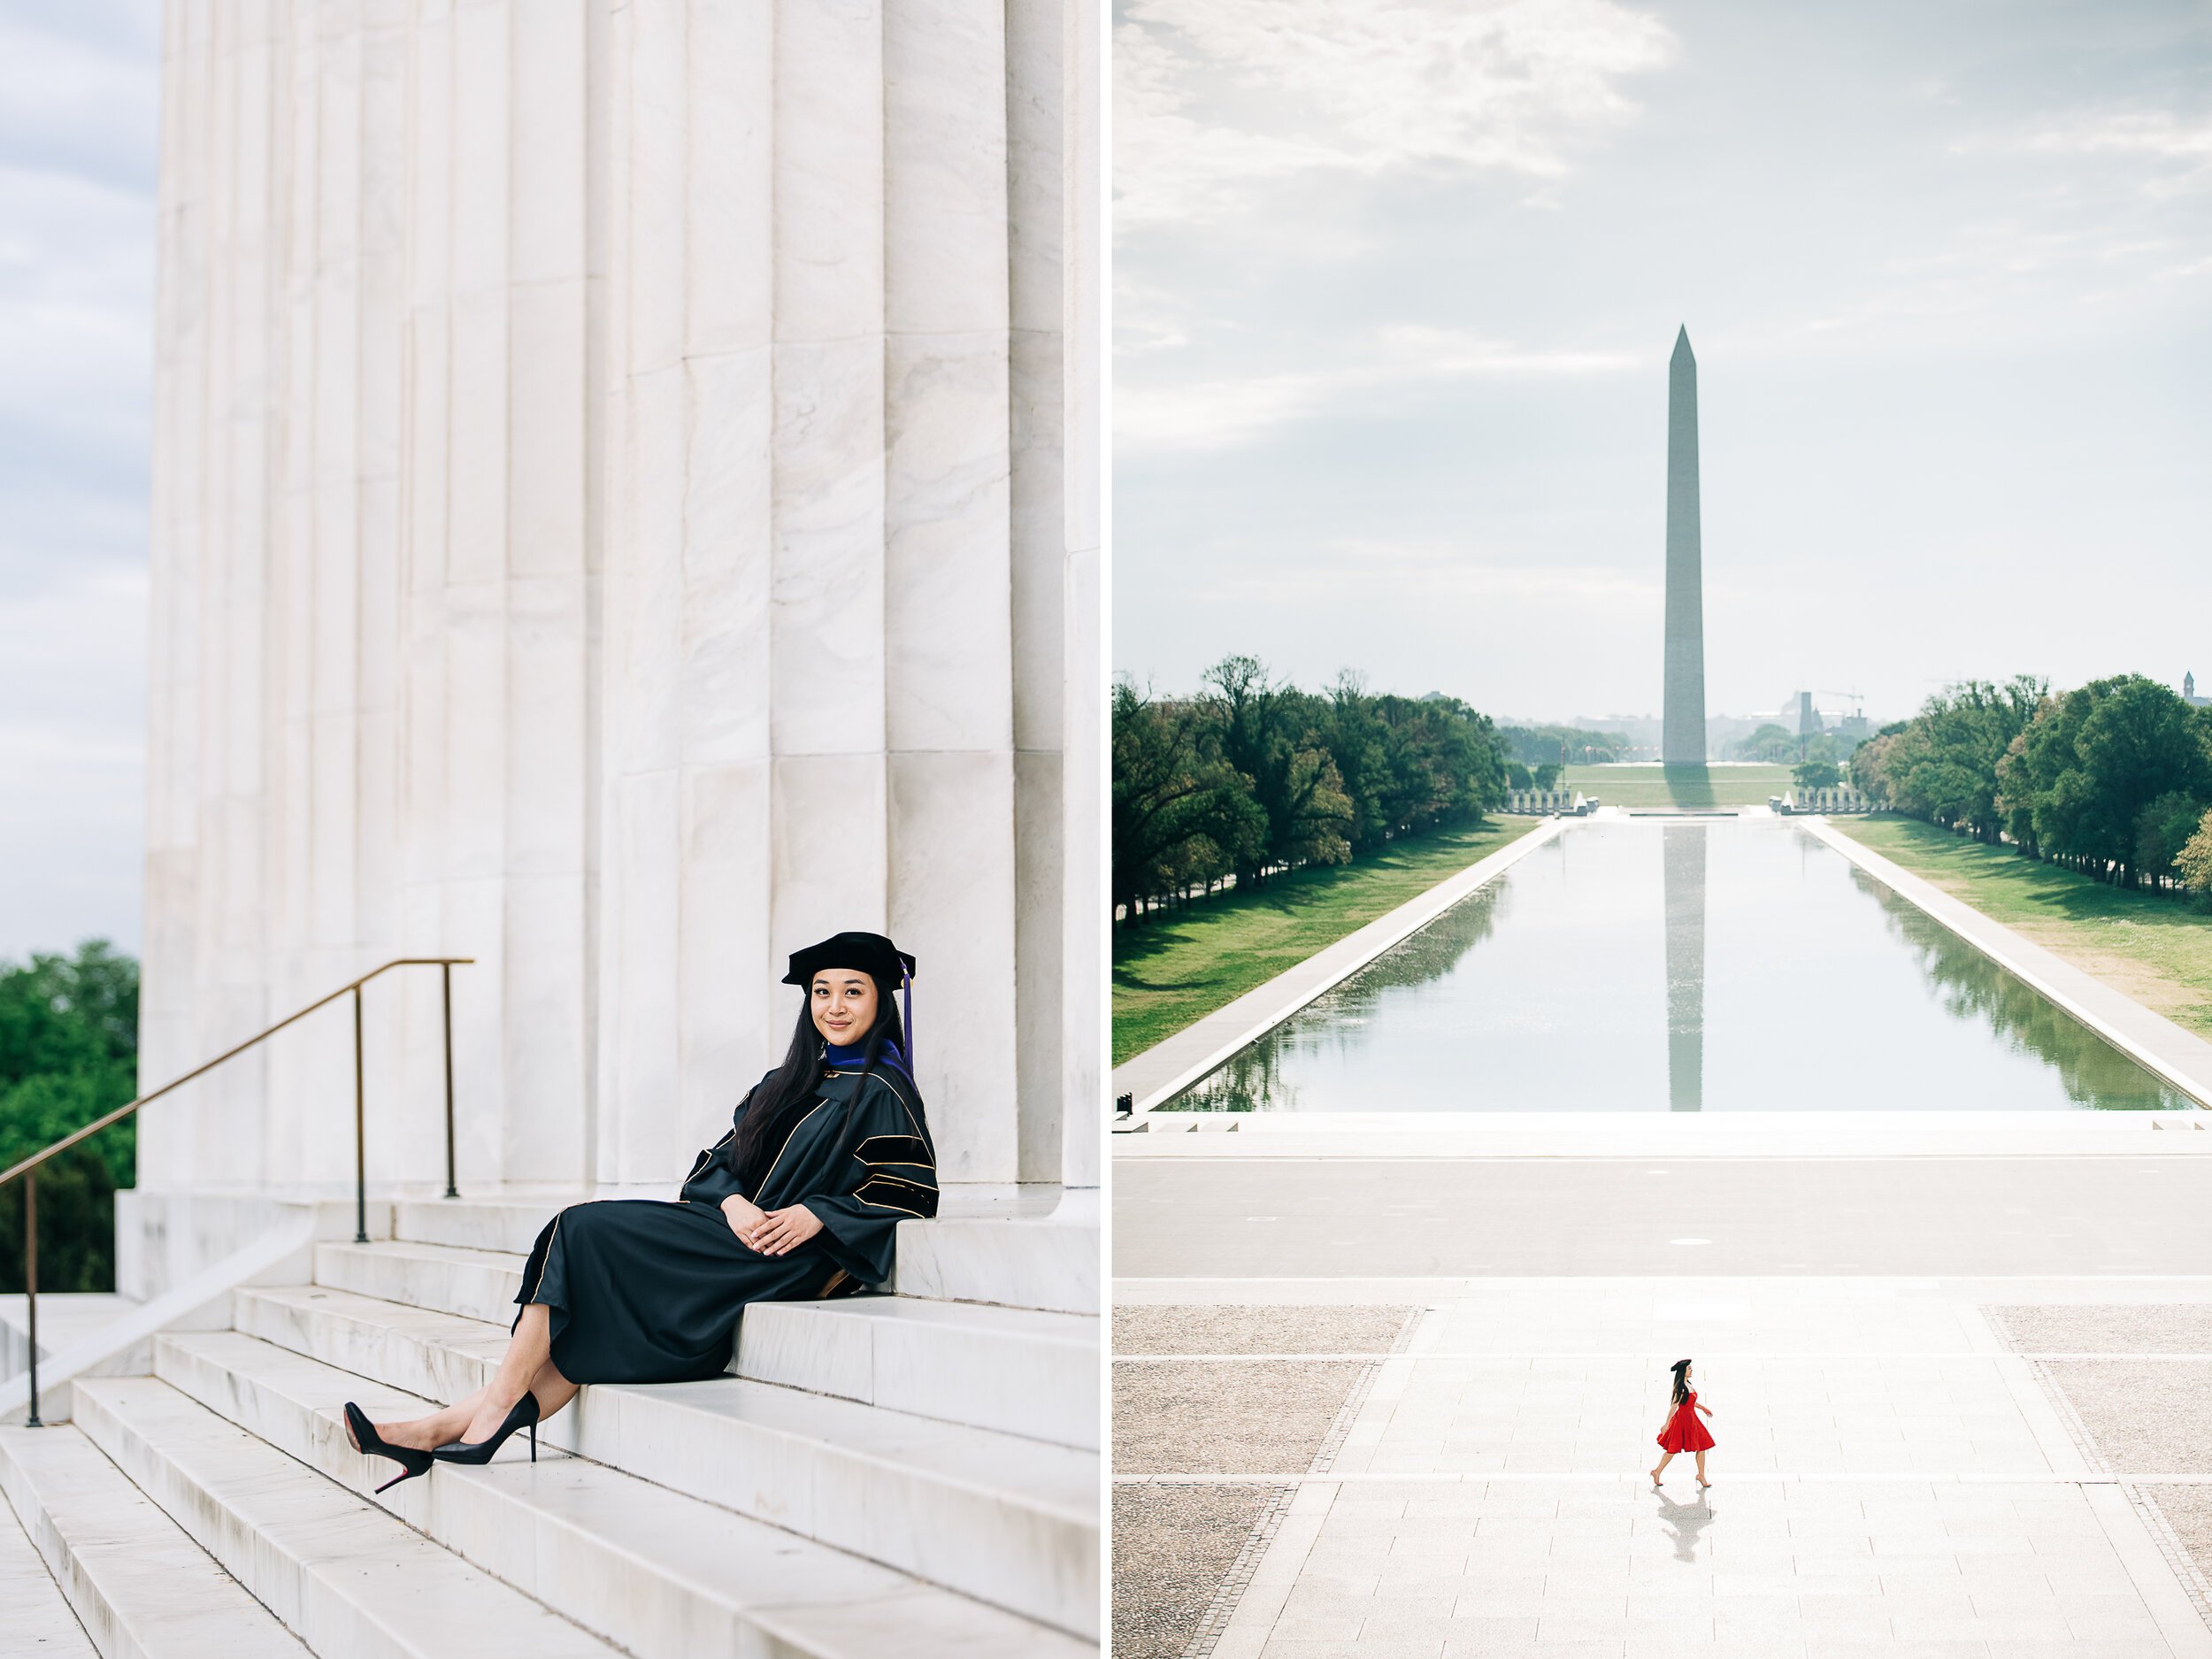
pixel 2113 778
pixel 68 1053
pixel 1537 748
pixel 1251 776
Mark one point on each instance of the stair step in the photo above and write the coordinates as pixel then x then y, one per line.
pixel 344 1574
pixel 1013 1259
pixel 1012 1369
pixel 140 1586
pixel 1016 1369
pixel 648 1569
pixel 1017 1262
pixel 39 1619
pixel 474 1284
pixel 510 1225
pixel 1010 1521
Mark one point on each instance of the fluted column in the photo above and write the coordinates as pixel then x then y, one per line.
pixel 612 521
pixel 1082 1058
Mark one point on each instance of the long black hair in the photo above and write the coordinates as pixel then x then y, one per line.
pixel 1681 1384
pixel 791 1087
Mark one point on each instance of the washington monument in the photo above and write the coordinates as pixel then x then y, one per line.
pixel 1683 740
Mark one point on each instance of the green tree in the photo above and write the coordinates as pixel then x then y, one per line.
pixel 2077 785
pixel 1870 768
pixel 2163 832
pixel 1817 774
pixel 1943 767
pixel 68 1054
pixel 2194 864
pixel 1265 732
pixel 1770 742
pixel 1181 818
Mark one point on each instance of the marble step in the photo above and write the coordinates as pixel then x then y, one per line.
pixel 140 1587
pixel 1010 1521
pixel 1013 1368
pixel 1014 1260
pixel 510 1225
pixel 475 1283
pixel 39 1619
pixel 650 1570
pixel 347 1577
pixel 65 1317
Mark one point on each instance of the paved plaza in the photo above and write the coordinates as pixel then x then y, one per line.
pixel 1912 1460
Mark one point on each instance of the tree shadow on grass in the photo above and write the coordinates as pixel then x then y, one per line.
pixel 1285 895
pixel 2069 892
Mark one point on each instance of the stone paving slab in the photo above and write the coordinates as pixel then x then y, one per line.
pixel 1172 1547
pixel 1184 1329
pixel 1908 1487
pixel 2106 1328
pixel 1664 1218
pixel 1177 1547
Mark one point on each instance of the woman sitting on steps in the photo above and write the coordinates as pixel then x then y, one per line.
pixel 826 1155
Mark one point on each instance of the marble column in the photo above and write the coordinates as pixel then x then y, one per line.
pixel 624 508
pixel 1084 1045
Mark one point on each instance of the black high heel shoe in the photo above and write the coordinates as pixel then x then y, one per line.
pixel 412 1461
pixel 522 1415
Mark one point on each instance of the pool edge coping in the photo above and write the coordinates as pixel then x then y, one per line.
pixel 1177 1061
pixel 2180 1058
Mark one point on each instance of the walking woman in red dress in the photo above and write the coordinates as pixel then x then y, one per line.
pixel 1682 1432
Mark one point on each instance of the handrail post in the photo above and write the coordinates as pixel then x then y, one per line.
pixel 445 973
pixel 360 1136
pixel 30 1282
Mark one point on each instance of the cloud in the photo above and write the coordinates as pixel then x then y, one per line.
pixel 2181 144
pixel 78 88
pixel 79 82
pixel 1397 362
pixel 1291 89
pixel 1368 571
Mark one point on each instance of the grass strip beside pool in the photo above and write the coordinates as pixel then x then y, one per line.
pixel 2156 950
pixel 1172 970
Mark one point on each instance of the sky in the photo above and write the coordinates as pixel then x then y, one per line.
pixel 1396 282
pixel 79 80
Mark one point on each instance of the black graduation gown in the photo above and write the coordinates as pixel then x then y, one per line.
pixel 650 1290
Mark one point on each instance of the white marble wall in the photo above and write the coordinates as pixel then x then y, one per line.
pixel 623 510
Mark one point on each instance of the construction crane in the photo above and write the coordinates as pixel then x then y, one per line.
pixel 1858 700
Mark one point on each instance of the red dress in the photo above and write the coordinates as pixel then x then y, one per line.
pixel 1685 1432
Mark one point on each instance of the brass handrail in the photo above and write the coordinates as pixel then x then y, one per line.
pixel 28 1168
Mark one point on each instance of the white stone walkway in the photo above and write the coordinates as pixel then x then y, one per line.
pixel 1890 1480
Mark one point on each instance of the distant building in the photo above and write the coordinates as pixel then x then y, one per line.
pixel 2189 692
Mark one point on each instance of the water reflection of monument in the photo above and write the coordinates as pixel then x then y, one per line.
pixel 1682 856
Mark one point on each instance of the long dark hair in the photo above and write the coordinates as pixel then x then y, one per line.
pixel 791 1086
pixel 1681 1384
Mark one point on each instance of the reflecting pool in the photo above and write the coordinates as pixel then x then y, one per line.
pixel 1717 964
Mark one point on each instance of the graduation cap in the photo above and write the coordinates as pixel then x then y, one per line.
pixel 872 954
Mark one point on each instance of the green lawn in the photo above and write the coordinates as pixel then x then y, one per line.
pixel 2157 950
pixel 1648 784
pixel 1174 969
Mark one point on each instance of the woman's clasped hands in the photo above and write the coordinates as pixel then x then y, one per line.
pixel 771 1232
